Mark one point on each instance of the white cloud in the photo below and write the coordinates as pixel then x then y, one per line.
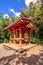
pixel 6 15
pixel 12 10
pixel 15 13
pixel 28 1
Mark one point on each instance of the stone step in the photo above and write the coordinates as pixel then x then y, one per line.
pixel 20 49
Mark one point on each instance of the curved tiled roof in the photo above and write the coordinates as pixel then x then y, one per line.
pixel 21 22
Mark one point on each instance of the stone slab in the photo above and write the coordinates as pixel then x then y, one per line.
pixel 19 48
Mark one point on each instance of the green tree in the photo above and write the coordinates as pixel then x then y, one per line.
pixel 24 13
pixel 4 34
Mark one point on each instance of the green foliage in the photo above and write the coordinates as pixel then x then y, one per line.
pixel 41 32
pixel 35 40
pixel 12 19
pixel 1 34
pixel 24 13
pixel 4 22
pixel 6 41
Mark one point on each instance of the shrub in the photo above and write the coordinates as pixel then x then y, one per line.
pixel 6 41
pixel 36 40
pixel 1 41
pixel 33 40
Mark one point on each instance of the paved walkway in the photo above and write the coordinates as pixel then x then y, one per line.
pixel 33 56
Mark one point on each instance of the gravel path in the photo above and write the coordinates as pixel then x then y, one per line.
pixel 33 56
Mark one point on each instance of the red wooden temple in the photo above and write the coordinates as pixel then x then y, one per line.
pixel 22 25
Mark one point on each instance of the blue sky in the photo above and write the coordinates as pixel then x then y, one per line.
pixel 13 7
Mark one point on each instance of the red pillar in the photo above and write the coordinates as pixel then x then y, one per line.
pixel 10 36
pixel 20 35
pixel 23 36
pixel 14 35
pixel 29 36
